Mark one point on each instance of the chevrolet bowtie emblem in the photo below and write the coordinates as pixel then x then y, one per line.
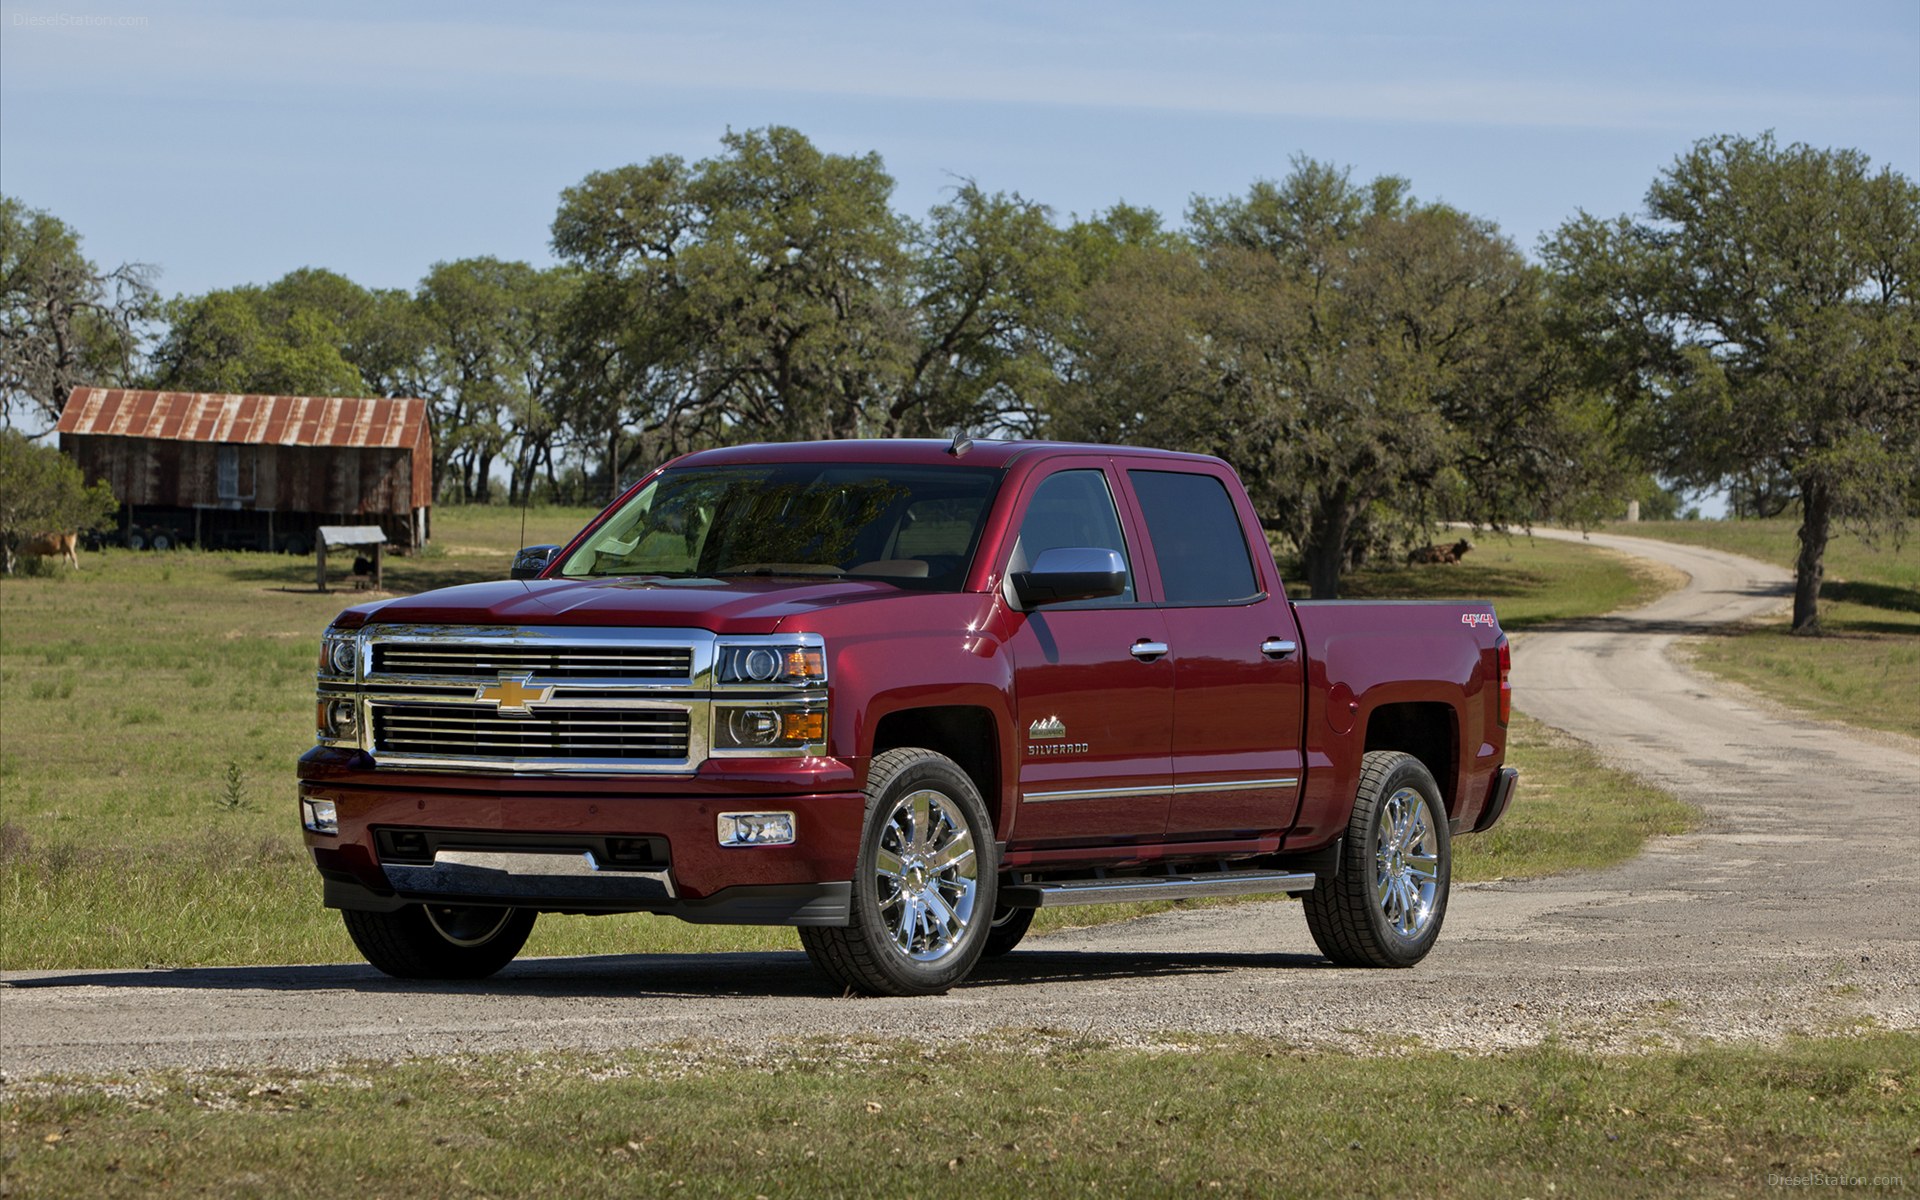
pixel 513 695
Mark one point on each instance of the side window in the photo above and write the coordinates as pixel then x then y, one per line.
pixel 1196 536
pixel 1072 508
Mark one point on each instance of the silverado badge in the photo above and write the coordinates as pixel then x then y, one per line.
pixel 1046 729
pixel 512 696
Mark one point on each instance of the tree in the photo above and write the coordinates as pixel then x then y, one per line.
pixel 627 357
pixel 759 293
pixel 794 285
pixel 990 276
pixel 1367 362
pixel 42 491
pixel 64 323
pixel 1759 323
pixel 489 366
pixel 286 339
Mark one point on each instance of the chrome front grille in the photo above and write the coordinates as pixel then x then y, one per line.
pixel 655 664
pixel 517 698
pixel 468 731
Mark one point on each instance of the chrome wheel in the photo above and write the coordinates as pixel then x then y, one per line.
pixel 927 875
pixel 1406 864
pixel 1384 905
pixel 922 897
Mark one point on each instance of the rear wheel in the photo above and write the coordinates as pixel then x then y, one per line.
pixel 924 883
pixel 440 941
pixel 1385 906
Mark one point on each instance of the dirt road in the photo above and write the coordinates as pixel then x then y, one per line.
pixel 1791 909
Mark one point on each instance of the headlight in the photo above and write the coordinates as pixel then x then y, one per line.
pixel 768 727
pixel 338 719
pixel 771 664
pixel 339 655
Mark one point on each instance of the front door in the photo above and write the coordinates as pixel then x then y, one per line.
pixel 1093 687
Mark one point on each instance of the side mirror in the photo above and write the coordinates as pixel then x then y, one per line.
pixel 531 561
pixel 1069 573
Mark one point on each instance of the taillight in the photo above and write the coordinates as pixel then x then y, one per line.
pixel 1506 683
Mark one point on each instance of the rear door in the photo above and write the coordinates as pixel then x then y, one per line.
pixel 1237 675
pixel 1093 689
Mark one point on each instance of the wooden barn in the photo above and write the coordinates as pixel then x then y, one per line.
pixel 258 472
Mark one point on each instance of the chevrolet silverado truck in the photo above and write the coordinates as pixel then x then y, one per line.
pixel 899 694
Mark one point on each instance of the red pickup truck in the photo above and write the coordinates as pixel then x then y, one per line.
pixel 899 694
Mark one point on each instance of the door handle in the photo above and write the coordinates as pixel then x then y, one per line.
pixel 1278 648
pixel 1147 651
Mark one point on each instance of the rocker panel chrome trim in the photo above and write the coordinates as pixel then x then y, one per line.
pixel 1181 789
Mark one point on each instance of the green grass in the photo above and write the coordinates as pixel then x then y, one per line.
pixel 1530 581
pixel 143 693
pixel 1031 1113
pixel 1865 666
pixel 1572 812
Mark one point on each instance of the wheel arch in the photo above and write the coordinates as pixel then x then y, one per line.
pixel 1426 729
pixel 968 734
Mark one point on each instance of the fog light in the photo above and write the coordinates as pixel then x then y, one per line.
pixel 320 816
pixel 343 719
pixel 756 829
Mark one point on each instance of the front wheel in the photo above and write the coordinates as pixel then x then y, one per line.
pixel 924 883
pixel 1008 928
pixel 440 941
pixel 1385 906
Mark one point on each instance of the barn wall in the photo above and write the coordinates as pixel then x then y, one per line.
pixel 338 480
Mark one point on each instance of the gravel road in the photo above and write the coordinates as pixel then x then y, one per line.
pixel 1792 909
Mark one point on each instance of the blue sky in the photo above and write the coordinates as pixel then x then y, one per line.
pixel 231 143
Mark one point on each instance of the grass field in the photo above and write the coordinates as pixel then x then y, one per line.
pixel 1037 1113
pixel 152 707
pixel 1865 668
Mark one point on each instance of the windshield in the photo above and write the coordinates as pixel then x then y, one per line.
pixel 911 526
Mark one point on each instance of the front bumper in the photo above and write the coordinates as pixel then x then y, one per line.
pixel 589 844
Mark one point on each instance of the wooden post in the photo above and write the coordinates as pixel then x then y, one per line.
pixel 320 555
pixel 379 556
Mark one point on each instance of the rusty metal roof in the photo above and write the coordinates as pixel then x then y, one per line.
pixel 260 420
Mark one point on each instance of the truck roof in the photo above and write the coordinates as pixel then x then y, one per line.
pixel 921 451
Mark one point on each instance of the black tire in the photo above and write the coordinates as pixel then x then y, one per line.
pixel 1009 926
pixel 163 540
pixel 136 540
pixel 1386 905
pixel 924 883
pixel 441 941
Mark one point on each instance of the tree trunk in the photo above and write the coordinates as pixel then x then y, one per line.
pixel 1809 569
pixel 1325 552
pixel 613 464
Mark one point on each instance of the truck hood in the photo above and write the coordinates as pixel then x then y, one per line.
pixel 723 606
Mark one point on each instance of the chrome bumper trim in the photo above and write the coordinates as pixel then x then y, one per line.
pixel 532 875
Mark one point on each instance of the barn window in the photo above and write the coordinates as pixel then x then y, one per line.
pixel 233 473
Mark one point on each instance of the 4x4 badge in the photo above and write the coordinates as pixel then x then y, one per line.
pixel 1046 729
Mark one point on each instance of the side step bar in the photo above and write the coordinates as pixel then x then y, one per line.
pixel 1055 893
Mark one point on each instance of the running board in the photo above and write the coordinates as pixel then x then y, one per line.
pixel 1056 893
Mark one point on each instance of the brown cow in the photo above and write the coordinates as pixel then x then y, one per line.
pixel 1441 554
pixel 46 545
